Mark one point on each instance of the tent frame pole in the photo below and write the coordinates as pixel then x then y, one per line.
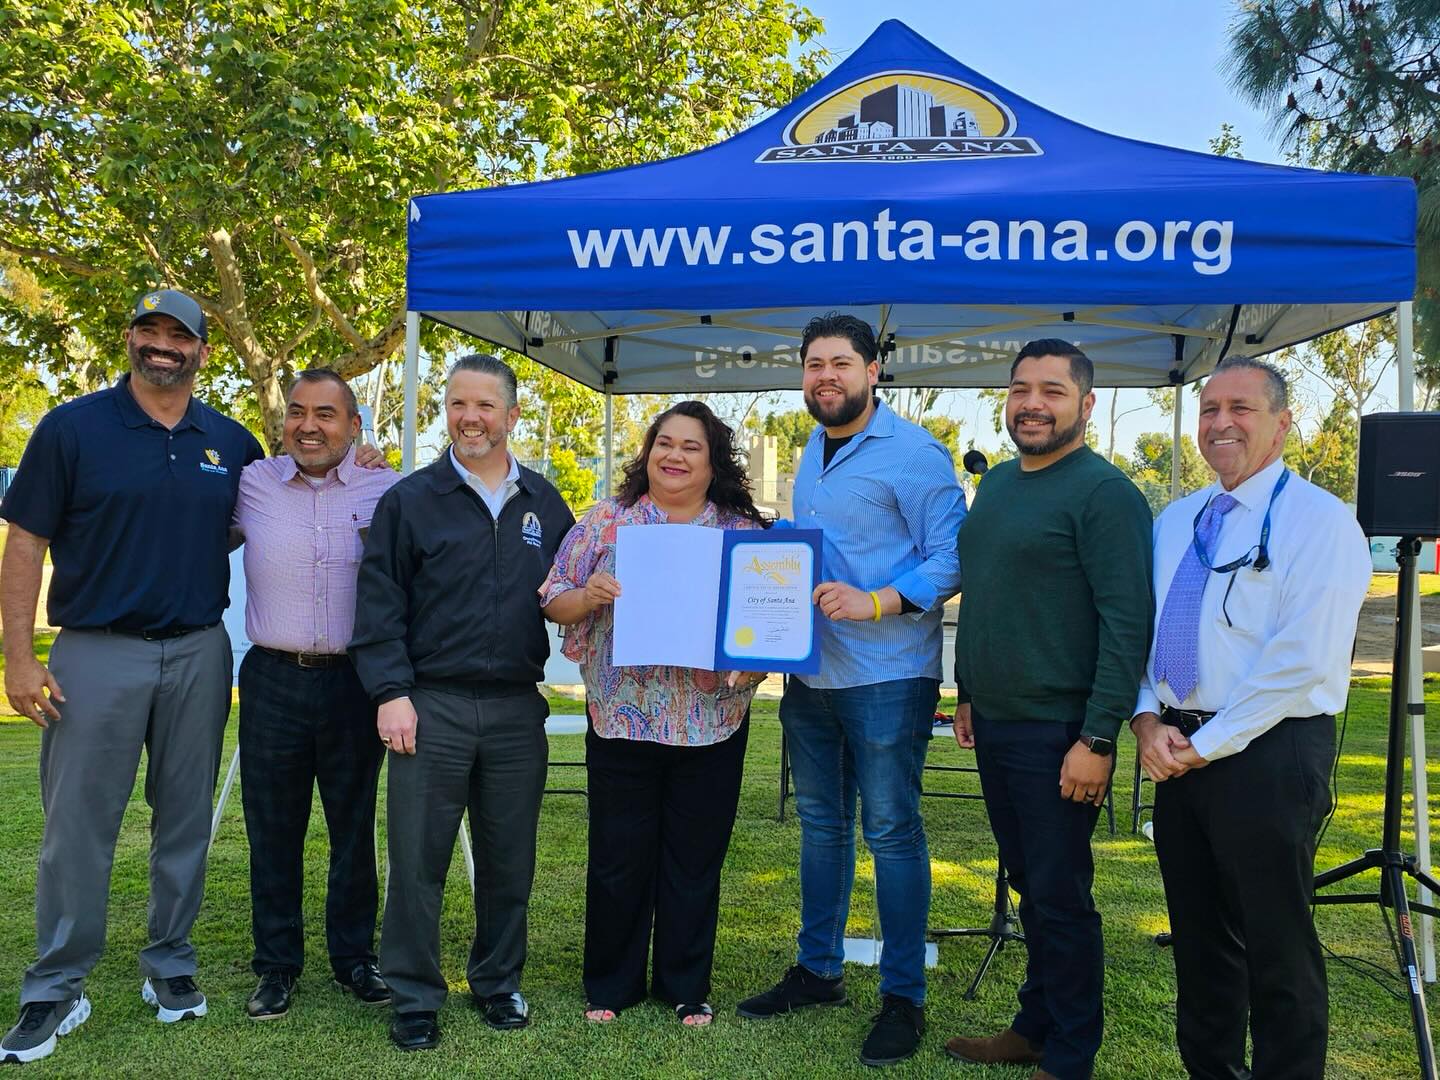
pixel 412 391
pixel 609 375
pixel 1405 371
pixel 1175 442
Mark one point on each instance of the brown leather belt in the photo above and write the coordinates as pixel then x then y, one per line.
pixel 308 659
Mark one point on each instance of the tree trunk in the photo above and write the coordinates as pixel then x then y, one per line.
pixel 1110 453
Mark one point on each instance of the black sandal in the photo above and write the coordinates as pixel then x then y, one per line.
pixel 687 1012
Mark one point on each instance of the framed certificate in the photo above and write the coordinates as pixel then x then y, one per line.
pixel 767 620
pixel 717 599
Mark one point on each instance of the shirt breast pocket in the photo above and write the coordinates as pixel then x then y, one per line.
pixel 1248 603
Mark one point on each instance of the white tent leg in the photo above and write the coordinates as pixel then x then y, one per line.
pixel 1175 444
pixel 609 442
pixel 1405 370
pixel 224 795
pixel 469 854
pixel 412 390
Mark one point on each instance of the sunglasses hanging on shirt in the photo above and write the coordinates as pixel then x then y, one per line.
pixel 1258 556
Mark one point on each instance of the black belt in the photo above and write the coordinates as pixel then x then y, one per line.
pixel 155 635
pixel 308 659
pixel 1187 720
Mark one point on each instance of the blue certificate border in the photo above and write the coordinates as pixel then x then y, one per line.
pixel 806 665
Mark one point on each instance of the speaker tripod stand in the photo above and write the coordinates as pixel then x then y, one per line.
pixel 1394 864
pixel 1003 928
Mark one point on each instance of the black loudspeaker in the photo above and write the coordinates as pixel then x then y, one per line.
pixel 1399 474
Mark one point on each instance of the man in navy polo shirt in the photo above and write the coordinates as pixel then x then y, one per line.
pixel 132 490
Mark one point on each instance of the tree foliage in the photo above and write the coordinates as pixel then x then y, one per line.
pixel 259 153
pixel 22 403
pixel 792 430
pixel 1356 86
pixel 1150 467
pixel 1328 454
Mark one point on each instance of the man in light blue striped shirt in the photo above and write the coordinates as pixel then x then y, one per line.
pixel 884 492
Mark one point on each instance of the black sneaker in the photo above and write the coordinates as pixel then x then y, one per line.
pixel 799 989
pixel 175 998
pixel 896 1033
pixel 40 1025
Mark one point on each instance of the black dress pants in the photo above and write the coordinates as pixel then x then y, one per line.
pixel 481 751
pixel 660 823
pixel 1044 842
pixel 299 728
pixel 1236 844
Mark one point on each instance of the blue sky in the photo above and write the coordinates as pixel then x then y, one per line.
pixel 1148 70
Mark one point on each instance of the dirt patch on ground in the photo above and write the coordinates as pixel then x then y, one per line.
pixel 1375 633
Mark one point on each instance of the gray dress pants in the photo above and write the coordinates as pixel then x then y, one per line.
pixel 124 694
pixel 487 755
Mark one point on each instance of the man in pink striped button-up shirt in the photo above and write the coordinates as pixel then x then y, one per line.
pixel 304 717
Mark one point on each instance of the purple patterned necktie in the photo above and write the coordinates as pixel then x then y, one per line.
pixel 1176 656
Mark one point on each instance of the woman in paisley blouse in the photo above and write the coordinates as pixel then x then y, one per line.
pixel 666 745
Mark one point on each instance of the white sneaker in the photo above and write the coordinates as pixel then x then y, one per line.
pixel 40 1026
pixel 176 998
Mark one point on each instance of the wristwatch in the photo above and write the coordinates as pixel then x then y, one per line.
pixel 1097 745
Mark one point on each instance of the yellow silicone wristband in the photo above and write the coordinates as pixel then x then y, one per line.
pixel 876 597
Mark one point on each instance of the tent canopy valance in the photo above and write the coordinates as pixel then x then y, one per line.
pixel 956 216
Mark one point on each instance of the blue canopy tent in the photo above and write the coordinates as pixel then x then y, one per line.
pixel 959 218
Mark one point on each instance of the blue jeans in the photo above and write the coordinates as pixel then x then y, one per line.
pixel 871 739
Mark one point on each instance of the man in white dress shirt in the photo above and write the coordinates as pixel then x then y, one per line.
pixel 1259 580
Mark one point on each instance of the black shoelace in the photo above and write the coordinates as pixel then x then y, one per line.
pixel 34 1014
pixel 894 1010
pixel 180 985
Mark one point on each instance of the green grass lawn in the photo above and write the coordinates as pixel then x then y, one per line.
pixel 1384 584
pixel 328 1034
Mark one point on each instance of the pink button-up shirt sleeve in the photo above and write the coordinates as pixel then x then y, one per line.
pixel 302 551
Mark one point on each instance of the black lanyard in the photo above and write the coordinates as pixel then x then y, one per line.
pixel 1261 559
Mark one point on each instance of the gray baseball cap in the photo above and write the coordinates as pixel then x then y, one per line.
pixel 175 304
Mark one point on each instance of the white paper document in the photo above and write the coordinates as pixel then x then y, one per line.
pixel 669 595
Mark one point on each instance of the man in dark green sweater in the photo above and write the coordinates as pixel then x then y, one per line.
pixel 1054 631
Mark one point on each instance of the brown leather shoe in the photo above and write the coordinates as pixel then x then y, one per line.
pixel 1007 1048
pixel 1041 1074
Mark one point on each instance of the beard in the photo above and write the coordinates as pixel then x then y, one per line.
pixel 847 409
pixel 319 457
pixel 142 363
pixel 1057 438
pixel 473 451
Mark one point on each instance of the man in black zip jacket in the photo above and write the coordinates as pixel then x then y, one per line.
pixel 449 642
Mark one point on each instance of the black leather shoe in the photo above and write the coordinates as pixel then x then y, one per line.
pixel 364 981
pixel 504 1012
pixel 271 999
pixel 896 1034
pixel 415 1031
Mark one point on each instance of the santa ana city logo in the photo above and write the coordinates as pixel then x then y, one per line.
pixel 903 116
pixel 773 569
pixel 530 530
pixel 211 464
